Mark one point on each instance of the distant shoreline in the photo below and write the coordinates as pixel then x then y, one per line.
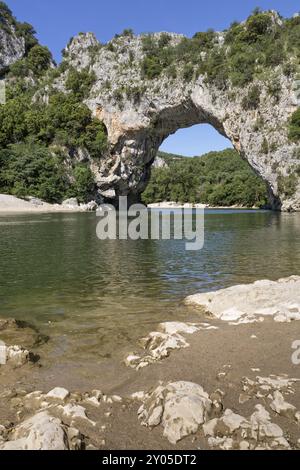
pixel 13 205
pixel 174 205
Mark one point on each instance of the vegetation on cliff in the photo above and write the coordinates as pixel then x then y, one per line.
pixel 217 179
pixel 40 135
pixel 245 51
pixel 294 126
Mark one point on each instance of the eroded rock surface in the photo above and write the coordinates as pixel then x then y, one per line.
pixel 158 344
pixel 139 113
pixel 180 407
pixel 249 303
pixel 184 408
pixel 41 432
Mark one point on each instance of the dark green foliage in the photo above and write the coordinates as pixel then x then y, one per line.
pixel 265 146
pixel 39 59
pixel 83 185
pixel 287 185
pixel 94 138
pixel 249 49
pixel 252 99
pixel 257 26
pixel 206 39
pixel 151 67
pixel 28 132
pixel 188 72
pixel 31 169
pixel 274 88
pixel 35 170
pixel 294 126
pixel 164 40
pixel 127 32
pixel 80 82
pixel 218 178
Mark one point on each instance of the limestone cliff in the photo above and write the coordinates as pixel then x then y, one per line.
pixel 147 87
pixel 140 112
pixel 12 45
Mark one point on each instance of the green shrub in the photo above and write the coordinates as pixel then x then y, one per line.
pixel 127 32
pixel 265 146
pixel 27 31
pixel 94 138
pixel 188 72
pixel 39 59
pixel 80 82
pixel 287 185
pixel 84 183
pixel 164 40
pixel 206 39
pixel 252 99
pixel 294 126
pixel 274 89
pixel 257 26
pixel 151 67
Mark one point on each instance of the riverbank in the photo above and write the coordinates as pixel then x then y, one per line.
pixel 175 205
pixel 11 204
pixel 208 383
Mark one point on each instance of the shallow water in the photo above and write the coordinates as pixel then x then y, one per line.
pixel 95 298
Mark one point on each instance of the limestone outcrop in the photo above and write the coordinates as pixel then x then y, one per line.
pixel 248 303
pixel 139 113
pixel 12 47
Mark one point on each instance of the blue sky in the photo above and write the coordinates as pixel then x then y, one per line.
pixel 57 20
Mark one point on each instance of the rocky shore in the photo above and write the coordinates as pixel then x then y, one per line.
pixel 223 382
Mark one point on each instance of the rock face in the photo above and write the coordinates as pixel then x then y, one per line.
pixel 140 113
pixel 12 46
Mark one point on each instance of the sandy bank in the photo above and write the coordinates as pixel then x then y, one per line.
pixel 175 205
pixel 12 204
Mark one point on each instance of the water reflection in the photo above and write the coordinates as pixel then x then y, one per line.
pixel 102 295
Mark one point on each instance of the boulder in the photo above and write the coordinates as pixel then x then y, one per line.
pixel 180 407
pixel 41 432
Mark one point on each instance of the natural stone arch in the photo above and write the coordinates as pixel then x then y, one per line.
pixel 137 125
pixel 134 146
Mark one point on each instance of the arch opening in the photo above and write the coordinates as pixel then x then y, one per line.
pixel 198 164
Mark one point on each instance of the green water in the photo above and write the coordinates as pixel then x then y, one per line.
pixel 95 298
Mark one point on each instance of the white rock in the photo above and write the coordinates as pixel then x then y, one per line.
pixel 73 412
pixel 41 432
pixel 252 302
pixel 93 401
pixel 280 406
pixel 58 393
pixel 17 356
pixel 180 407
